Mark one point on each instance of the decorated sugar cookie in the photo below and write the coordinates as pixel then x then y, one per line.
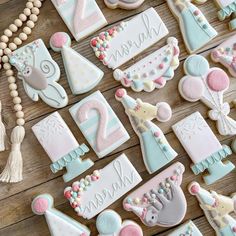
pixel 195 28
pixel 95 192
pixel 160 201
pixel 82 17
pixel 203 148
pixel 121 43
pixel 208 85
pixel 82 74
pixel 152 71
pixel 217 209
pixel 39 74
pixel 99 124
pixel 125 4
pixel 59 224
pixel 61 146
pixel 152 140
pixel 109 223
pixel 225 54
pixel 187 229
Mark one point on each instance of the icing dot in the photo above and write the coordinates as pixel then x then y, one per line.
pixel 196 13
pixel 164 112
pixel 205 26
pixel 160 190
pixel 167 185
pixel 120 93
pixel 161 66
pixel 67 194
pixel 136 200
pixel 234 229
pixel 157 134
pixel 194 189
pixel 218 80
pixel 40 205
pixel 173 177
pixel 58 40
pixel 131 230
pixel 93 42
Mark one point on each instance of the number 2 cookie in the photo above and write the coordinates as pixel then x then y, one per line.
pixel 208 85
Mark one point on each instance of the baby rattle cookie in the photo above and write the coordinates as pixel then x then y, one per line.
pixel 152 71
pixel 203 148
pixel 195 28
pixel 225 54
pixel 39 74
pixel 121 43
pixel 82 17
pixel 95 192
pixel 124 4
pixel 208 85
pixel 152 140
pixel 59 224
pixel 186 229
pixel 82 74
pixel 160 201
pixel 217 209
pixel 61 146
pixel 99 124
pixel 109 223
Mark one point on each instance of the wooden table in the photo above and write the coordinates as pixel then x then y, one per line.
pixel 16 217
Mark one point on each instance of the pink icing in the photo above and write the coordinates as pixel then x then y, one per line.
pixel 131 230
pixel 194 189
pixel 58 40
pixel 120 93
pixel 164 112
pixel 157 134
pixel 40 205
pixel 159 81
pixel 127 206
pixel 218 80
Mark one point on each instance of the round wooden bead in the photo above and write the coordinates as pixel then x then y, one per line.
pixel 18 107
pixel 27 30
pixel 8 32
pixel 22 17
pixel 20 122
pixel 17 100
pixel 3 45
pixel 12 86
pixel 19 114
pixel 11 79
pixel 9 72
pixel 5 59
pixel 4 38
pixel 35 10
pixel 14 93
pixel 7 51
pixel 33 17
pixel 7 66
pixel 27 11
pixel 37 3
pixel 17 41
pixel 18 22
pixel 13 27
pixel 29 5
pixel 12 46
pixel 30 24
pixel 23 36
pixel 0 66
pixel 1 52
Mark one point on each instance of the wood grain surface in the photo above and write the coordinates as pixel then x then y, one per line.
pixel 16 217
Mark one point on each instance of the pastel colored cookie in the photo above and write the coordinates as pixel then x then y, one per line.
pixel 52 132
pixel 82 17
pixel 39 74
pixel 121 43
pixel 91 195
pixel 195 28
pixel 160 201
pixel 82 74
pixel 59 224
pixel 186 229
pixel 152 71
pixel 217 209
pixel 152 140
pixel 203 148
pixel 208 85
pixel 109 223
pixel 125 4
pixel 99 124
pixel 225 54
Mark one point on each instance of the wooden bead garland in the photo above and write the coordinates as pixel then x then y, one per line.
pixel 13 169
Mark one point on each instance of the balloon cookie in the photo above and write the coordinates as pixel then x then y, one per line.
pixel 195 28
pixel 125 4
pixel 208 85
pixel 82 74
pixel 217 209
pixel 225 54
pixel 121 43
pixel 59 224
pixel 82 17
pixel 156 150
pixel 203 148
pixel 152 71
pixel 39 73
pixel 61 146
pixel 160 201
pixel 91 195
pixel 109 223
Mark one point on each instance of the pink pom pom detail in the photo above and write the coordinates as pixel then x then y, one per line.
pixel 40 205
pixel 120 93
pixel 218 80
pixel 131 230
pixel 157 134
pixel 59 39
pixel 194 189
pixel 127 206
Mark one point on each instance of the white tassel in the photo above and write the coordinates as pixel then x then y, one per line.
pixel 13 170
pixel 2 131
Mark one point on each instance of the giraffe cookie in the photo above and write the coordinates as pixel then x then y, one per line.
pixel 124 4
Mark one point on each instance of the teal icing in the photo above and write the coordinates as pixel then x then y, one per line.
pixel 227 11
pixel 71 156
pixel 227 231
pixel 212 159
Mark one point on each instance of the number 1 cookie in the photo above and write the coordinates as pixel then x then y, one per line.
pixel 125 4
